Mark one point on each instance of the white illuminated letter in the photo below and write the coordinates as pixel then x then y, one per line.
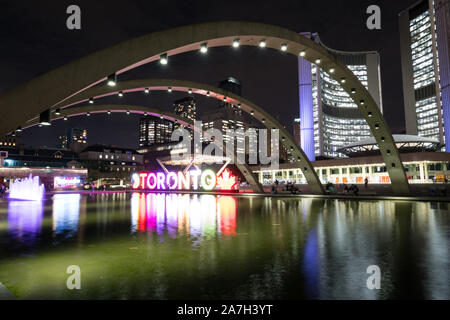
pixel 149 184
pixel 184 181
pixel 160 177
pixel 173 176
pixel 195 174
pixel 208 180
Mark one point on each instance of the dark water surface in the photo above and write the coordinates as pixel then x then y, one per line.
pixel 168 246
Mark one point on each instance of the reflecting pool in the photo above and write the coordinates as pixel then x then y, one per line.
pixel 173 246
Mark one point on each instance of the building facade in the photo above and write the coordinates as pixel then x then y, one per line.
pixel 421 167
pixel 153 130
pixel 329 119
pixel 74 139
pixel 186 108
pixel 232 85
pixel 425 41
pixel 224 119
pixel 111 162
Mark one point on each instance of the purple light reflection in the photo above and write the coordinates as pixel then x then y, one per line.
pixel 25 220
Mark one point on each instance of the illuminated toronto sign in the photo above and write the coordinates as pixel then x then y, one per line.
pixel 206 180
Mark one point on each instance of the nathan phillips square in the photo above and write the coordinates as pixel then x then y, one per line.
pixel 195 152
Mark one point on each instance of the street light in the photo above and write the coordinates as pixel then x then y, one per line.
pixel 58 111
pixel 262 43
pixel 44 118
pixel 163 59
pixel 146 90
pixel 120 94
pixel 91 100
pixel 204 47
pixel 236 43
pixel 112 80
pixel 284 47
pixel 169 89
pixel 302 53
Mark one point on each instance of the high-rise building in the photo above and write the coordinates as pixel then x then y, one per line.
pixel 74 139
pixel 232 85
pixel 186 108
pixel 153 130
pixel 425 42
pixel 329 117
pixel 223 119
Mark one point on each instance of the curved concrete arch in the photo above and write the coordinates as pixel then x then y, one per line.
pixel 83 110
pixel 75 77
pixel 216 93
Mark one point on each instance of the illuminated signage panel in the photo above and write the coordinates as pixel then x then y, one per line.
pixel 206 180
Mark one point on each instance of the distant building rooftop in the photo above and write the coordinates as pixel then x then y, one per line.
pixel 405 144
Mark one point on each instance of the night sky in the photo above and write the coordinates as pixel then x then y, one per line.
pixel 35 40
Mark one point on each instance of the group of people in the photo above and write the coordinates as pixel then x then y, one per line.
pixel 352 189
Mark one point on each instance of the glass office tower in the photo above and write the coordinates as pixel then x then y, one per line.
pixel 329 119
pixel 424 40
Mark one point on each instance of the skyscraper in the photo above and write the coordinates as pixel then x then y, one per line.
pixel 74 139
pixel 223 119
pixel 329 117
pixel 186 108
pixel 232 85
pixel 424 42
pixel 153 130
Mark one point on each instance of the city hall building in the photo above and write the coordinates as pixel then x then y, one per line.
pixel 425 42
pixel 329 119
pixel 421 161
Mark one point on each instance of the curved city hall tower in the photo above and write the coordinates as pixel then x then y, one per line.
pixel 329 119
pixel 425 41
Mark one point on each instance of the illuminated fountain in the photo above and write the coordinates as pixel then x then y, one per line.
pixel 27 189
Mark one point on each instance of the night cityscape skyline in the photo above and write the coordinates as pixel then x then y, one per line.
pixel 225 159
pixel 337 30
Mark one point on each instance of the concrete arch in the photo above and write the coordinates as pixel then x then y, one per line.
pixel 75 77
pixel 83 110
pixel 215 93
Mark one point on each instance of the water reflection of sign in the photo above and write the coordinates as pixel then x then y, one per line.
pixel 197 216
pixel 66 182
pixel 191 180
